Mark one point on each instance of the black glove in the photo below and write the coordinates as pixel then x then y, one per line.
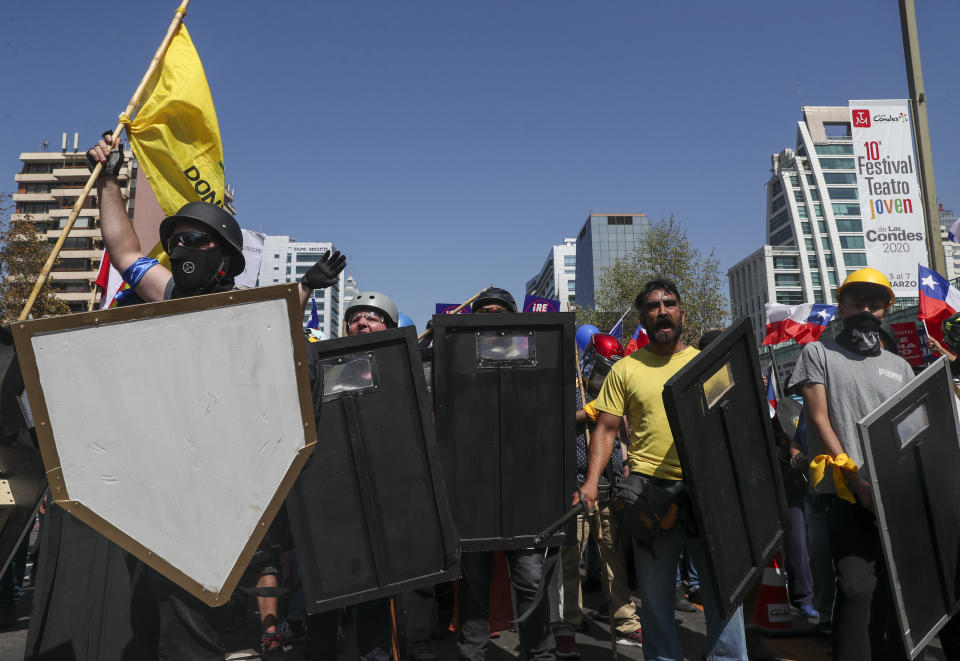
pixel 113 164
pixel 324 273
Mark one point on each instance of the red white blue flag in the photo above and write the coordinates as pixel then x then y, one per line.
pixel 938 300
pixel 638 341
pixel 772 392
pixel 803 323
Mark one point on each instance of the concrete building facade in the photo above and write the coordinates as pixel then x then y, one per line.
pixel 557 277
pixel 605 237
pixel 48 185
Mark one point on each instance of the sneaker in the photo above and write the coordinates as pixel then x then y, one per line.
pixel 271 647
pixel 809 612
pixel 632 639
pixel 681 603
pixel 422 650
pixel 567 648
pixel 694 596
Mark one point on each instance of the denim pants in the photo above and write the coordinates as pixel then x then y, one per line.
pixel 656 573
pixel 526 572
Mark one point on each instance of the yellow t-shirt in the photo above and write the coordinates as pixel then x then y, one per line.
pixel 635 387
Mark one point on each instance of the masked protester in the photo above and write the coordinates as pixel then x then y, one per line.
pixel 526 565
pixel 841 381
pixel 634 388
pixel 92 598
pixel 601 353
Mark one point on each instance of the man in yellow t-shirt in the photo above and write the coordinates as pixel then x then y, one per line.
pixel 634 388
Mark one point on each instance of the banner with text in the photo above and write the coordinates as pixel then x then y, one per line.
pixel 540 304
pixel 890 200
pixel 448 308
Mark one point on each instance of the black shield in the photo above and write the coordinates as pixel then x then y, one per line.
pixel 720 419
pixel 503 390
pixel 23 480
pixel 912 454
pixel 369 514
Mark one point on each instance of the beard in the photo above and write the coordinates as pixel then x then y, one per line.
pixel 665 332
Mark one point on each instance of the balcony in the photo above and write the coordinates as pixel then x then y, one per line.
pixel 33 197
pixel 78 233
pixel 72 192
pixel 34 177
pixel 74 275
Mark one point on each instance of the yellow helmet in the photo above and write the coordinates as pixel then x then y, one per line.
pixel 868 276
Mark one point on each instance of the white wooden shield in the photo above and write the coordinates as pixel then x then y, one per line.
pixel 176 429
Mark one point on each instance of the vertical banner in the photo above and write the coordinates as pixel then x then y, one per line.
pixel 890 199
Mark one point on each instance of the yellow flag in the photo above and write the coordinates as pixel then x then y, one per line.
pixel 175 134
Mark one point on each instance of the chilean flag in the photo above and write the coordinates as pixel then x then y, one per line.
pixel 803 323
pixel 771 393
pixel 938 300
pixel 638 341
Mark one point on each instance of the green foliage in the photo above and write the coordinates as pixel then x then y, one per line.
pixel 666 252
pixel 22 256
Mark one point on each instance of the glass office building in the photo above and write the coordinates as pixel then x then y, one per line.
pixel 605 237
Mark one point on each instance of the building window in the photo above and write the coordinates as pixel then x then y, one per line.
pixel 851 242
pixel 811 180
pixel 815 278
pixel 809 244
pixel 786 279
pixel 836 130
pixel 825 242
pixel 789 297
pixel 783 237
pixel 855 258
pixel 846 209
pixel 840 177
pixel 569 260
pixel 843 193
pixel 849 225
pixel 276 255
pixel 619 220
pixel 780 201
pixel 802 211
pixel 836 163
pixel 785 262
pixel 818 296
pixel 805 225
pixel 818 209
pixel 798 196
pixel 834 150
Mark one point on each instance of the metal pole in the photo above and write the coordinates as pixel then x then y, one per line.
pixel 921 134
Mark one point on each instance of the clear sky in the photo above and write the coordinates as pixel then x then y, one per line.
pixel 447 144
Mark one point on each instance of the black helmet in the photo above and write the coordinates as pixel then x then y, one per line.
pixel 951 331
pixel 495 295
pixel 220 223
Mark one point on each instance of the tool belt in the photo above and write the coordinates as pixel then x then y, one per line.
pixel 648 506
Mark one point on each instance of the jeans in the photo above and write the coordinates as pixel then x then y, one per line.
pixel 821 562
pixel 690 571
pixel 656 573
pixel 526 572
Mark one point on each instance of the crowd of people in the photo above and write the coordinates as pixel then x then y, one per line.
pixel 94 601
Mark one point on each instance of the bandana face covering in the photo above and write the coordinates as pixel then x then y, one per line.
pixel 861 334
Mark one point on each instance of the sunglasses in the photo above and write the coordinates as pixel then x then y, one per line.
pixel 192 239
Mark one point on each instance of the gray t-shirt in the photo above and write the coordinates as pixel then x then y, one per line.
pixel 855 386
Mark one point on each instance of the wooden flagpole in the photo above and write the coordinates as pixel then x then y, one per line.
pixel 82 198
pixel 456 310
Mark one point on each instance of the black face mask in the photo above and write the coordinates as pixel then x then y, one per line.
pixel 861 334
pixel 198 271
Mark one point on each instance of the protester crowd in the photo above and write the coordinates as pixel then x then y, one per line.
pixel 624 448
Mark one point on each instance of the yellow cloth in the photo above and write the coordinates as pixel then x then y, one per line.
pixel 591 411
pixel 819 465
pixel 175 134
pixel 635 387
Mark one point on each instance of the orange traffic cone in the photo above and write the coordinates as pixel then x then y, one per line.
pixel 773 602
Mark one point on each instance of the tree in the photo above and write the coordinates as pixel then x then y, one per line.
pixel 665 252
pixel 22 255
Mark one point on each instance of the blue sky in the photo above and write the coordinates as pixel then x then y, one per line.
pixel 446 144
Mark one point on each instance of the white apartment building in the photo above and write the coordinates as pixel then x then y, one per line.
pixel 557 277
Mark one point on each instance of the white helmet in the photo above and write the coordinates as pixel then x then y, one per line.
pixel 374 300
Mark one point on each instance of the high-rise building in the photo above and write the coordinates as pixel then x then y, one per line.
pixel 605 237
pixel 814 233
pixel 287 260
pixel 48 185
pixel 951 250
pixel 557 277
pixel 350 290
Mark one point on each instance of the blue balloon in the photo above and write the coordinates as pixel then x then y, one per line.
pixel 404 320
pixel 584 333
